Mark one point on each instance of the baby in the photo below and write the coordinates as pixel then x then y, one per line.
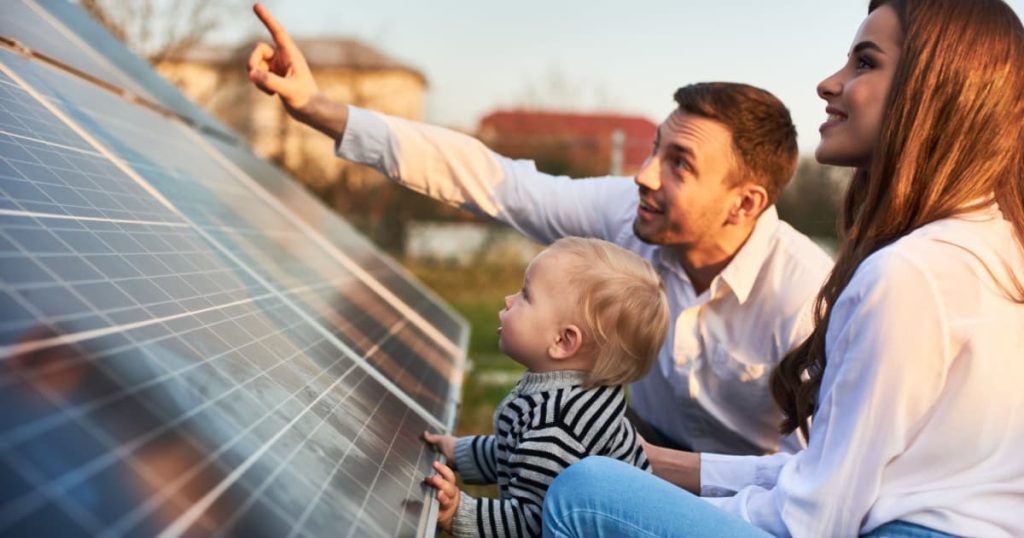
pixel 590 318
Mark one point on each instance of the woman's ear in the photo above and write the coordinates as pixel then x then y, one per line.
pixel 567 343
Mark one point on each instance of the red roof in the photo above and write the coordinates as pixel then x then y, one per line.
pixel 507 127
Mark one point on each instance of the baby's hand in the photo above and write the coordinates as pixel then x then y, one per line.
pixel 444 443
pixel 447 494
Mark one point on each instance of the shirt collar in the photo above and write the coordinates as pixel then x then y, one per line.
pixel 742 271
pixel 986 208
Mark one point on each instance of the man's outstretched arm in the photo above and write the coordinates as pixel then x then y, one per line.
pixel 445 165
pixel 281 69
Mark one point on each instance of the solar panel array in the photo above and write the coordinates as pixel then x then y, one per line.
pixel 190 344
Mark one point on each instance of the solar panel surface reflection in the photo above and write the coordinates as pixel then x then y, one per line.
pixel 344 237
pixel 179 353
pixel 260 234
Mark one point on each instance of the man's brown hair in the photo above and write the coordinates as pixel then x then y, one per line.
pixel 763 135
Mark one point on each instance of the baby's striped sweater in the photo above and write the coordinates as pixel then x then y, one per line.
pixel 548 422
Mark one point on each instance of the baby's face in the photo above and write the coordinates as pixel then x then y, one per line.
pixel 533 316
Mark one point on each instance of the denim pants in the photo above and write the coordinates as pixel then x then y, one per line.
pixel 603 497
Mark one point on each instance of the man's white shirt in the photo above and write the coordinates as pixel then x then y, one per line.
pixel 709 387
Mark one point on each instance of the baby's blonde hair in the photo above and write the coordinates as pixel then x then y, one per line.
pixel 623 305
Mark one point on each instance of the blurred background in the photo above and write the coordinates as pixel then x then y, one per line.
pixel 579 87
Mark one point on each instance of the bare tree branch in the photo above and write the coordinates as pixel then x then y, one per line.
pixel 99 13
pixel 162 30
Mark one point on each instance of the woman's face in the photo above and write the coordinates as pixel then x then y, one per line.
pixel 855 95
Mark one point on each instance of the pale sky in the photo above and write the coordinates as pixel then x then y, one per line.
pixel 625 57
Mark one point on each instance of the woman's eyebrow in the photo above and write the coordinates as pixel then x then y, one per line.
pixel 865 45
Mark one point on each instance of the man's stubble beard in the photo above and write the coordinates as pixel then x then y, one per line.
pixel 656 239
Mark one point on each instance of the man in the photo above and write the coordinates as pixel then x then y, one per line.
pixel 740 282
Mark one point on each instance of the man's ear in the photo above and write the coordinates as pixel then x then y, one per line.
pixel 567 343
pixel 752 200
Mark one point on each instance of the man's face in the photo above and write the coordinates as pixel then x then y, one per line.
pixel 684 195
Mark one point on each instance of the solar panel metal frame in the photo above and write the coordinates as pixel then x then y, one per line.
pixel 427 516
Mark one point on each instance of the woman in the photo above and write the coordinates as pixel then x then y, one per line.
pixel 913 373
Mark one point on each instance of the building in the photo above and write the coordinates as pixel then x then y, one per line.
pixel 346 70
pixel 573 144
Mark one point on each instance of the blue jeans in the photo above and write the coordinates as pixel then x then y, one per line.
pixel 902 529
pixel 604 497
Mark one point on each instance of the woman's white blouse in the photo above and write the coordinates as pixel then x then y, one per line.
pixel 921 408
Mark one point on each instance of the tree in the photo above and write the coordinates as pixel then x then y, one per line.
pixel 160 30
pixel 811 200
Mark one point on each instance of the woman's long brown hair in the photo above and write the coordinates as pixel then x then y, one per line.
pixel 952 137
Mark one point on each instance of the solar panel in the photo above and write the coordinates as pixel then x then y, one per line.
pixel 341 234
pixel 64 33
pixel 27 24
pixel 210 195
pixel 182 353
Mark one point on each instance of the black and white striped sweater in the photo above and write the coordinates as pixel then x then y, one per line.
pixel 548 422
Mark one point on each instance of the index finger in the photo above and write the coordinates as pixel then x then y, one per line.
pixel 277 31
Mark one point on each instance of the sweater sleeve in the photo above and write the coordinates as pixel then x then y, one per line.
pixel 476 459
pixel 541 455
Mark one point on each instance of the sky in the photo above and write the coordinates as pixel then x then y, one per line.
pixel 595 55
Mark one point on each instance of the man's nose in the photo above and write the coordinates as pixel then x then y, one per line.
pixel 647 176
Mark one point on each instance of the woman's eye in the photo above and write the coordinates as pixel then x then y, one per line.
pixel 864 64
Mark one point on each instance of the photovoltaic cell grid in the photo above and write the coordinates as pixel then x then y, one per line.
pixel 248 227
pixel 343 236
pixel 179 353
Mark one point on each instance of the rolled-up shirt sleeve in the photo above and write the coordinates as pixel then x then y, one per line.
pixel 460 170
pixel 724 475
